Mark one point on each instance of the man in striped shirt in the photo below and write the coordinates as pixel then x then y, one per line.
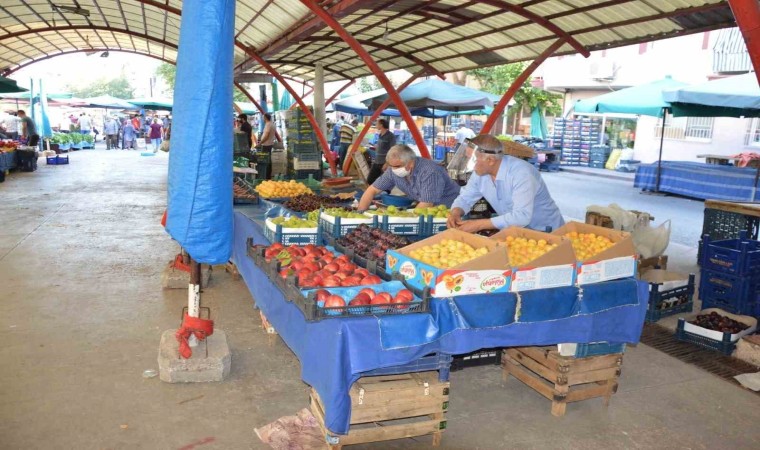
pixel 421 179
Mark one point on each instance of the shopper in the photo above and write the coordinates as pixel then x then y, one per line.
pixel 136 125
pixel 464 132
pixel 111 129
pixel 246 129
pixel 85 124
pixel 347 133
pixel 156 131
pixel 130 134
pixel 28 130
pixel 385 140
pixel 267 140
pixel 513 187
pixel 11 126
pixel 422 180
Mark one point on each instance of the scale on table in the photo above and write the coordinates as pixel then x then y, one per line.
pixel 460 165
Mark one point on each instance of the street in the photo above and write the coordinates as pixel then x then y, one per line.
pixel 574 192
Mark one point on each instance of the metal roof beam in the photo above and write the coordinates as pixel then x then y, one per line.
pixel 70 52
pixel 339 91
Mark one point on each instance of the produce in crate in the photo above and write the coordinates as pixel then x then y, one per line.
pixel 716 322
pixel 372 243
pixel 345 213
pixel 587 245
pixel 439 212
pixel 367 296
pixel 241 192
pixel 282 189
pixel 309 202
pixel 294 222
pixel 447 253
pixel 522 251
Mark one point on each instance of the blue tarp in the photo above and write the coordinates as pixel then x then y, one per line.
pixel 699 180
pixel 334 352
pixel 200 175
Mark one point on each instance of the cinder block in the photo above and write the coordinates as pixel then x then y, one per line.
pixel 199 368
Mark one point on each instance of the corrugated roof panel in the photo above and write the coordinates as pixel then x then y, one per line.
pixel 548 8
pixel 596 37
pixel 576 22
pixel 627 11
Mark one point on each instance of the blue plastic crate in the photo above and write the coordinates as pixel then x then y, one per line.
pixel 670 302
pixel 598 349
pixel 439 362
pixel 340 228
pixel 57 160
pixel 413 229
pixel 738 295
pixel 596 164
pixel 733 256
pixel 286 239
pixel 724 346
pixel 432 228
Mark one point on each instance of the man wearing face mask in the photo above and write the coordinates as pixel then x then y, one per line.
pixel 513 187
pixel 420 179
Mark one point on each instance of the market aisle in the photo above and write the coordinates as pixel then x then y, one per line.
pixel 81 252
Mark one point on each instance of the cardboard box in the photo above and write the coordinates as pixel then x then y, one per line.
pixel 618 261
pixel 483 275
pixel 555 268
pixel 751 322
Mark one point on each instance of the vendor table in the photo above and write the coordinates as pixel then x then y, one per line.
pixel 335 352
pixel 724 160
pixel 699 180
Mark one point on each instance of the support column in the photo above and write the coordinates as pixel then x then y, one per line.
pixel 747 15
pixel 319 97
pixel 317 130
pixel 375 115
pixel 517 84
pixel 374 68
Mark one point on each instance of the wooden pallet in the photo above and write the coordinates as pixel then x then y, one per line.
pixel 563 379
pixel 390 407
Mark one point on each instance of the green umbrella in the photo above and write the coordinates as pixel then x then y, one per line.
pixel 8 85
pixel 737 96
pixel 152 103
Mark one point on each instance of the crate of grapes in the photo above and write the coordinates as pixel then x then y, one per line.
pixel 292 231
pixel 715 329
pixel 399 221
pixel 337 222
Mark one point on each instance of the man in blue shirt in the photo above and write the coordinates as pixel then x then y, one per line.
pixel 420 179
pixel 513 187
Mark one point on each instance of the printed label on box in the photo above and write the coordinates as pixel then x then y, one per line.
pixel 542 278
pixel 452 283
pixel 609 269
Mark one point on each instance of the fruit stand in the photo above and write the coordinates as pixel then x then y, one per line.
pixel 348 336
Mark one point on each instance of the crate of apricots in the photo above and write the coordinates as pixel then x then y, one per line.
pixel 452 263
pixel 281 190
pixel 537 260
pixel 601 254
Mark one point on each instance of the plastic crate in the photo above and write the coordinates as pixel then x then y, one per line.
pixel 403 226
pixel 724 346
pixel 596 164
pixel 303 176
pixel 597 349
pixel 487 357
pixel 435 226
pixel 285 236
pixel 440 362
pixel 670 301
pixel 735 294
pixel 336 227
pixel 57 160
pixel 549 166
pixel 720 224
pixel 734 256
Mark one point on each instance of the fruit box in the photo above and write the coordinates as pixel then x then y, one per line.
pixel 483 275
pixel 717 335
pixel 555 268
pixel 618 261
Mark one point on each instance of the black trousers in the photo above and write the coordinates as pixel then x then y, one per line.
pixel 268 150
pixel 375 170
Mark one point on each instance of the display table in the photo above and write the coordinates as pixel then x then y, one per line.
pixel 699 180
pixel 335 352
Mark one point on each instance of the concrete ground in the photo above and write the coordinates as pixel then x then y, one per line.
pixel 81 252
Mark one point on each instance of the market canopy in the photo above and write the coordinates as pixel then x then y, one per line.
pixel 10 86
pixel 644 99
pixel 107 101
pixel 737 96
pixel 439 37
pixel 154 103
pixel 247 108
pixel 354 105
pixel 439 94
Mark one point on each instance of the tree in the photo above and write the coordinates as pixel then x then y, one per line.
pixel 116 87
pixel 498 79
pixel 367 84
pixel 169 73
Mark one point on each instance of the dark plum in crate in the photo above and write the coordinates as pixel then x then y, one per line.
pixel 371 243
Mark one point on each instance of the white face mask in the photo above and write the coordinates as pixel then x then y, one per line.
pixel 400 172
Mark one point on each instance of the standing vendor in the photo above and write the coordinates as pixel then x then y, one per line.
pixel 28 129
pixel 385 140
pixel 513 187
pixel 420 179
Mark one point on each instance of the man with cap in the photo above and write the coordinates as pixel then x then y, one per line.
pixel 513 187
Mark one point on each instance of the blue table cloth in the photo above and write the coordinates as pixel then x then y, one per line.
pixel 699 180
pixel 334 352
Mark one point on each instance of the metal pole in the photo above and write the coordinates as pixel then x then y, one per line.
pixel 659 160
pixel 747 15
pixel 194 296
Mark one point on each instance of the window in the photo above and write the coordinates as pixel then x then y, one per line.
pixel 686 128
pixel 752 138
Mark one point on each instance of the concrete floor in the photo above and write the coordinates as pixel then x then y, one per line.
pixel 81 252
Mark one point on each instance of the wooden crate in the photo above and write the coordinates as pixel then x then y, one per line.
pixel 391 407
pixel 563 379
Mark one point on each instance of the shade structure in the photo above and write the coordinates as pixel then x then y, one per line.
pixel 155 103
pixel 50 96
pixel 645 99
pixel 355 105
pixel 108 101
pixel 247 108
pixel 9 86
pixel 439 94
pixel 737 96
pixel 286 101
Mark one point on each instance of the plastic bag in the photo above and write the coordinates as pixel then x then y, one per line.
pixel 164 147
pixel 621 219
pixel 651 241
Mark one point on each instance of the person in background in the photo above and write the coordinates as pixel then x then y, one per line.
pixel 385 140
pixel 347 133
pixel 156 132
pixel 421 179
pixel 130 134
pixel 11 126
pixel 463 133
pixel 335 141
pixel 267 140
pixel 28 129
pixel 111 130
pixel 85 124
pixel 136 125
pixel 246 128
pixel 513 187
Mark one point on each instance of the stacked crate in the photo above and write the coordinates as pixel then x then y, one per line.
pixel 730 278
pixel 574 138
pixel 598 156
pixel 303 153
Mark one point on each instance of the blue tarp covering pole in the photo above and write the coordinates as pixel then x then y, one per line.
pixel 200 163
pixel 43 126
